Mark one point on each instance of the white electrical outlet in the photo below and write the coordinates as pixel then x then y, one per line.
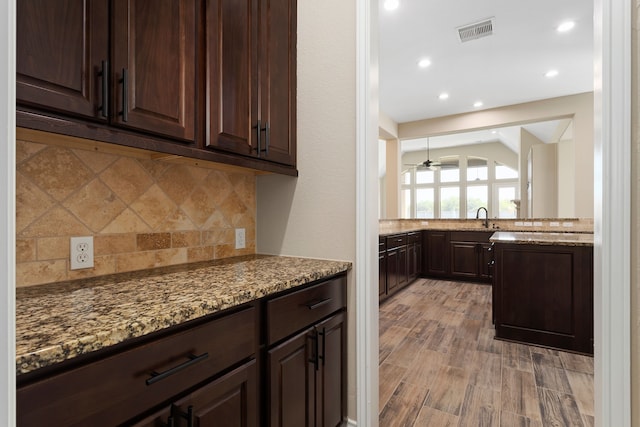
pixel 240 243
pixel 81 252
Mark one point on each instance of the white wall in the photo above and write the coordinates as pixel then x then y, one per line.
pixel 314 215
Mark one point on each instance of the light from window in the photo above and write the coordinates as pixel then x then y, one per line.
pixel 506 208
pixel 477 196
pixel 477 169
pixel 425 203
pixel 505 172
pixel 449 202
pixel 425 176
pixel 405 203
pixel 449 169
pixel 406 177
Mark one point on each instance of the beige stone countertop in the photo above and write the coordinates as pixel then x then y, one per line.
pixel 56 322
pixel 558 225
pixel 557 239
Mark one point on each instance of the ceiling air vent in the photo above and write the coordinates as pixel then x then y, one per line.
pixel 477 30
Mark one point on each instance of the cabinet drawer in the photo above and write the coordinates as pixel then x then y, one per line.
pixel 290 313
pixel 117 388
pixel 396 241
pixel 414 237
pixel 470 236
pixel 382 244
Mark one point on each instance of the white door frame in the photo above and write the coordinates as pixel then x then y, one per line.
pixel 612 208
pixel 612 191
pixel 7 215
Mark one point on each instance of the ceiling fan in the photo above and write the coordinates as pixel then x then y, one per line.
pixel 427 164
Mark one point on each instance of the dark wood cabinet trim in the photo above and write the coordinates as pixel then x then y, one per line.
pixel 96 132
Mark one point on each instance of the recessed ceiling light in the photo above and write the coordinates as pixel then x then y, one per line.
pixel 566 26
pixel 391 4
pixel 443 96
pixel 551 73
pixel 424 63
pixel 478 104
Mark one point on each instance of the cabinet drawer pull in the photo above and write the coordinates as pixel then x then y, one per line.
pixel 193 359
pixel 314 305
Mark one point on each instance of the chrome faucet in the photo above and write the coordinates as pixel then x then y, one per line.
pixel 486 216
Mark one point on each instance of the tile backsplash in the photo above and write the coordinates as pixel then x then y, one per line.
pixel 141 212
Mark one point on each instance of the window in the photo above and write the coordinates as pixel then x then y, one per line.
pixel 425 176
pixel 449 169
pixel 477 169
pixel 505 172
pixel 477 196
pixel 458 187
pixel 506 204
pixel 425 203
pixel 449 202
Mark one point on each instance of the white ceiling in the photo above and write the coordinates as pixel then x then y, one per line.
pixel 503 69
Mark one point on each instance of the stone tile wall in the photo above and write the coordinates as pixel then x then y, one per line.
pixel 142 213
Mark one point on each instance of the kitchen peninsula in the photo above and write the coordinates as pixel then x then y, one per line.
pixel 543 289
pixel 541 271
pixel 90 351
pixel 451 249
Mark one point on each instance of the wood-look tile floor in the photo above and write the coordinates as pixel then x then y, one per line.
pixel 441 367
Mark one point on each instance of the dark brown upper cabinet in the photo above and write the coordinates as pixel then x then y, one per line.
pixel 154 66
pixel 251 78
pixel 212 80
pixel 62 48
pixel 147 82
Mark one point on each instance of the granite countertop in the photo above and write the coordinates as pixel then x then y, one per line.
pixel 533 238
pixel 57 322
pixel 553 225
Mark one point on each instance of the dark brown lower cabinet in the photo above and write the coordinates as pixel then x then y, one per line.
pixel 469 255
pixel 307 372
pixel 227 370
pixel 306 362
pixel 229 401
pixel 435 253
pixel 544 295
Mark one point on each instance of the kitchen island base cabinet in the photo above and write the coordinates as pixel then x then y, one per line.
pixel 543 295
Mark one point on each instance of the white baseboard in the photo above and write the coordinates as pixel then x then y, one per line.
pixel 351 423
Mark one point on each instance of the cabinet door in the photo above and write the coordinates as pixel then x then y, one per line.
pixel 436 260
pixel 485 261
pixel 382 274
pixel 464 259
pixel 403 272
pixel 231 75
pixel 230 401
pixel 161 418
pixel 291 400
pixel 60 49
pixel 278 80
pixel 331 388
pixel 411 261
pixel 393 270
pixel 154 66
